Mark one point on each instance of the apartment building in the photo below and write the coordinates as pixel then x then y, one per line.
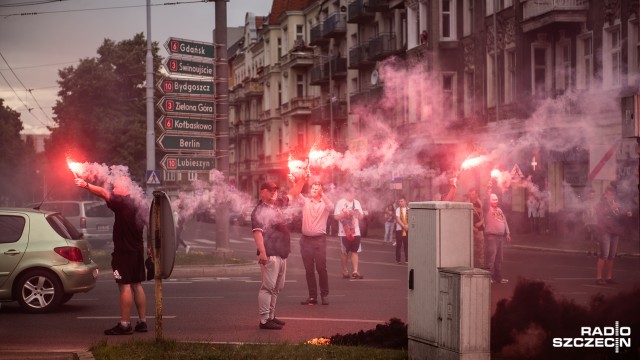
pixel 545 79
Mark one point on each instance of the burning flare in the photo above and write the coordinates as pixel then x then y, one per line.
pixel 75 167
pixel 495 173
pixel 319 341
pixel 471 162
pixel 297 168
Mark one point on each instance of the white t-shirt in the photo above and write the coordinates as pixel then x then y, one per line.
pixel 344 204
pixel 398 227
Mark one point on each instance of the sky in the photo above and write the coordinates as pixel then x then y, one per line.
pixel 35 47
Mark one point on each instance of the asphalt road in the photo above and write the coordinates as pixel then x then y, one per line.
pixel 224 308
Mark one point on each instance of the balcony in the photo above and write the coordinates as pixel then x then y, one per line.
pixel 377 5
pixel 335 25
pixel 321 115
pixel 359 12
pixel 298 59
pixel 383 46
pixel 320 74
pixel 253 88
pixel 316 37
pixel 359 56
pixel 366 95
pixel 540 13
pixel 297 106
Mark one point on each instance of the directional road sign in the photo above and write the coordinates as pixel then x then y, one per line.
pixel 170 142
pixel 185 86
pixel 181 66
pixel 186 124
pixel 186 106
pixel 189 47
pixel 187 163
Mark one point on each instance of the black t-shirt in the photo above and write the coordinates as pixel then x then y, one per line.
pixel 127 230
pixel 271 221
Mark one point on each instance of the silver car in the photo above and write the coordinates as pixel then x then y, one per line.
pixel 44 260
pixel 93 218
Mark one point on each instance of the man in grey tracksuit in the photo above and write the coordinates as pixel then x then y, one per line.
pixel 496 231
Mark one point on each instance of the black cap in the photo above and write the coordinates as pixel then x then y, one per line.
pixel 269 185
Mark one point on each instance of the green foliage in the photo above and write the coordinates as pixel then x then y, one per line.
pixel 101 114
pixel 16 162
pixel 169 349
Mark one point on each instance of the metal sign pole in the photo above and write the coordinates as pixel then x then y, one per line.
pixel 157 258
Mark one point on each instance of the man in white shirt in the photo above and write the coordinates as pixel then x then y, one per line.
pixel 348 212
pixel 313 243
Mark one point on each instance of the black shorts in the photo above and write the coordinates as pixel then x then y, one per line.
pixel 128 267
pixel 351 245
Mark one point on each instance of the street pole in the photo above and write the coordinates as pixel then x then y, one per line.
pixel 331 111
pixel 222 122
pixel 151 136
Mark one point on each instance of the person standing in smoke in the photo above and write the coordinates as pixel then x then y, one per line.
pixel 389 224
pixel 348 212
pixel 590 221
pixel 610 217
pixel 495 233
pixel 402 230
pixel 273 242
pixel 127 259
pixel 532 213
pixel 313 243
pixel 478 229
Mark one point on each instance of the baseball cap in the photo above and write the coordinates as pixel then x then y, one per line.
pixel 269 185
pixel 493 198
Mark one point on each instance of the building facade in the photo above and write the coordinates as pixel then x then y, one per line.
pixel 540 85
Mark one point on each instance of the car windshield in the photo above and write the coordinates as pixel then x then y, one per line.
pixel 63 227
pixel 98 209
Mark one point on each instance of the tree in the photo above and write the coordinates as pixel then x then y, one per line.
pixel 16 159
pixel 101 113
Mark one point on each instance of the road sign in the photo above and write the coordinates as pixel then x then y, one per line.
pixel 187 163
pixel 153 178
pixel 181 66
pixel 185 142
pixel 186 106
pixel 186 87
pixel 186 124
pixel 189 47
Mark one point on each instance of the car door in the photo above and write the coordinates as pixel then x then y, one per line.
pixel 14 237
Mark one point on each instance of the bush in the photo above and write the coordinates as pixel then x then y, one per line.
pixel 390 335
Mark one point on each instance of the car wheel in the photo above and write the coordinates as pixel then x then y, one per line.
pixel 39 291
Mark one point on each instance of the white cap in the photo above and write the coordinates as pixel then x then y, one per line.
pixel 493 198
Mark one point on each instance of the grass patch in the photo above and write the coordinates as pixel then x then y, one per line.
pixel 103 259
pixel 170 349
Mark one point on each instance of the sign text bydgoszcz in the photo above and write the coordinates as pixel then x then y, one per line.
pixel 186 87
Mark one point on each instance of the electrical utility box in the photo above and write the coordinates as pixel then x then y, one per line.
pixel 449 301
pixel 630 107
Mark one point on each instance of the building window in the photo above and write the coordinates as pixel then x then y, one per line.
pixel 279 94
pixel 509 76
pixel 299 32
pixel 469 99
pixel 280 141
pixel 279 48
pixel 634 46
pixel 611 61
pixel 300 86
pixel 541 83
pixel 563 66
pixel 584 68
pixel 500 4
pixel 467 21
pixel 448 20
pixel 169 175
pixel 448 94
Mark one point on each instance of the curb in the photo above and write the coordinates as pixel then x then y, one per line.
pixel 567 251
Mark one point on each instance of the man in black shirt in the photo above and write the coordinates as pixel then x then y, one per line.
pixel 127 259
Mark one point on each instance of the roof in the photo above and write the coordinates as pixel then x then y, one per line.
pixel 280 6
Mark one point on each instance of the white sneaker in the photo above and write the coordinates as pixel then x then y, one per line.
pixel 186 250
